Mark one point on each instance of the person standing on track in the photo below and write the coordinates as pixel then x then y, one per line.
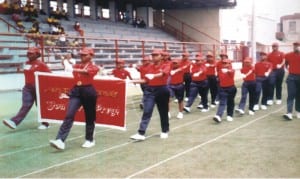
pixel 276 57
pixel 120 71
pixel 29 92
pixel 185 64
pixel 293 81
pixel 82 94
pixel 211 73
pixel 156 92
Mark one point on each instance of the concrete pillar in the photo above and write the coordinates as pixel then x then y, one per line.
pixel 99 12
pixel 46 7
pixel 129 9
pixel 112 10
pixel 71 7
pixel 93 9
pixel 146 13
pixel 150 17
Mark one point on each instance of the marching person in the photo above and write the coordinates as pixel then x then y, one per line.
pixel 248 87
pixel 29 92
pixel 83 94
pixel 199 84
pixel 276 57
pixel 263 69
pixel 211 73
pixel 156 92
pixel 227 91
pixel 120 71
pixel 176 85
pixel 293 81
pixel 185 64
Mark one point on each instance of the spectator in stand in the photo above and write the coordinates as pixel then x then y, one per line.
pixel 120 71
pixel 248 87
pixel 64 15
pixel 82 94
pixel 185 64
pixel 263 69
pixel 15 7
pixel 199 84
pixel 29 90
pixel 4 7
pixel 176 86
pixel 78 28
pixel 227 91
pixel 293 81
pixel 62 42
pixel 276 57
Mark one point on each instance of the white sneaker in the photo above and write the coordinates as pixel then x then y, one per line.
pixel 298 115
pixel 217 118
pixel 186 99
pixel 180 115
pixel 44 125
pixel 251 112
pixel 278 101
pixel 204 110
pixel 58 144
pixel 212 105
pixel 176 101
pixel 288 116
pixel 256 107
pixel 229 118
pixel 217 102
pixel 270 102
pixel 88 144
pixel 137 136
pixel 263 107
pixel 200 106
pixel 9 123
pixel 164 135
pixel 169 115
pixel 240 111
pixel 187 109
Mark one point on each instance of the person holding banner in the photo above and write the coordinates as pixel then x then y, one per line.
pixel 28 92
pixel 156 92
pixel 82 94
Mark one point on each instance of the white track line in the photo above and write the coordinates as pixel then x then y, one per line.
pixel 200 145
pixel 103 151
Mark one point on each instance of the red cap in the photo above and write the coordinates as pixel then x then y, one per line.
pixel 146 58
pixel 185 54
pixel 165 53
pixel 209 54
pixel 87 50
pixel 156 52
pixel 120 60
pixel 296 43
pixel 226 61
pixel 275 44
pixel 248 60
pixel 199 54
pixel 34 50
pixel 223 53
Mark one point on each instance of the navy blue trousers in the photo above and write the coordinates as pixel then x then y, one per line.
pixel 248 87
pixel 198 88
pixel 226 96
pixel 275 83
pixel 293 87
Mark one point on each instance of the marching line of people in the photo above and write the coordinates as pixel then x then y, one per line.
pixel 163 78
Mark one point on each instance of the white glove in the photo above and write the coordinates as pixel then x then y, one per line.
pixel 149 76
pixel 243 75
pixel 266 74
pixel 278 66
pixel 172 72
pixel 63 95
pixel 196 74
pixel 224 70
pixel 207 65
pixel 134 65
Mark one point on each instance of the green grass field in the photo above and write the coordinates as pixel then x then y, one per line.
pixel 263 145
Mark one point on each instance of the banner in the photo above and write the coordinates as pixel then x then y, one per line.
pixel 52 107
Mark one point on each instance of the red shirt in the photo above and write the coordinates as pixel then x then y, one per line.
pixel 32 66
pixel 195 68
pixel 276 57
pixel 211 68
pixel 293 61
pixel 219 65
pixel 251 76
pixel 185 64
pixel 85 78
pixel 177 77
pixel 262 67
pixel 121 73
pixel 227 78
pixel 158 68
pixel 143 70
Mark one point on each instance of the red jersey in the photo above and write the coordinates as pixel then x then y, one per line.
pixel 143 70
pixel 293 61
pixel 85 78
pixel 219 65
pixel 251 76
pixel 32 66
pixel 211 68
pixel 226 78
pixel 185 64
pixel 158 68
pixel 276 57
pixel 177 78
pixel 195 68
pixel 262 67
pixel 121 73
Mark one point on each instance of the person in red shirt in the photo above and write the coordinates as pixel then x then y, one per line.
pixel 156 92
pixel 185 64
pixel 176 85
pixel 248 86
pixel 263 69
pixel 199 84
pixel 28 92
pixel 120 72
pixel 227 91
pixel 82 94
pixel 211 73
pixel 293 81
pixel 276 57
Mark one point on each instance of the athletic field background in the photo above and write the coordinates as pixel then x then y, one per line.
pixel 263 145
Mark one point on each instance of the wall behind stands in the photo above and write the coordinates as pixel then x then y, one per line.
pixel 205 20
